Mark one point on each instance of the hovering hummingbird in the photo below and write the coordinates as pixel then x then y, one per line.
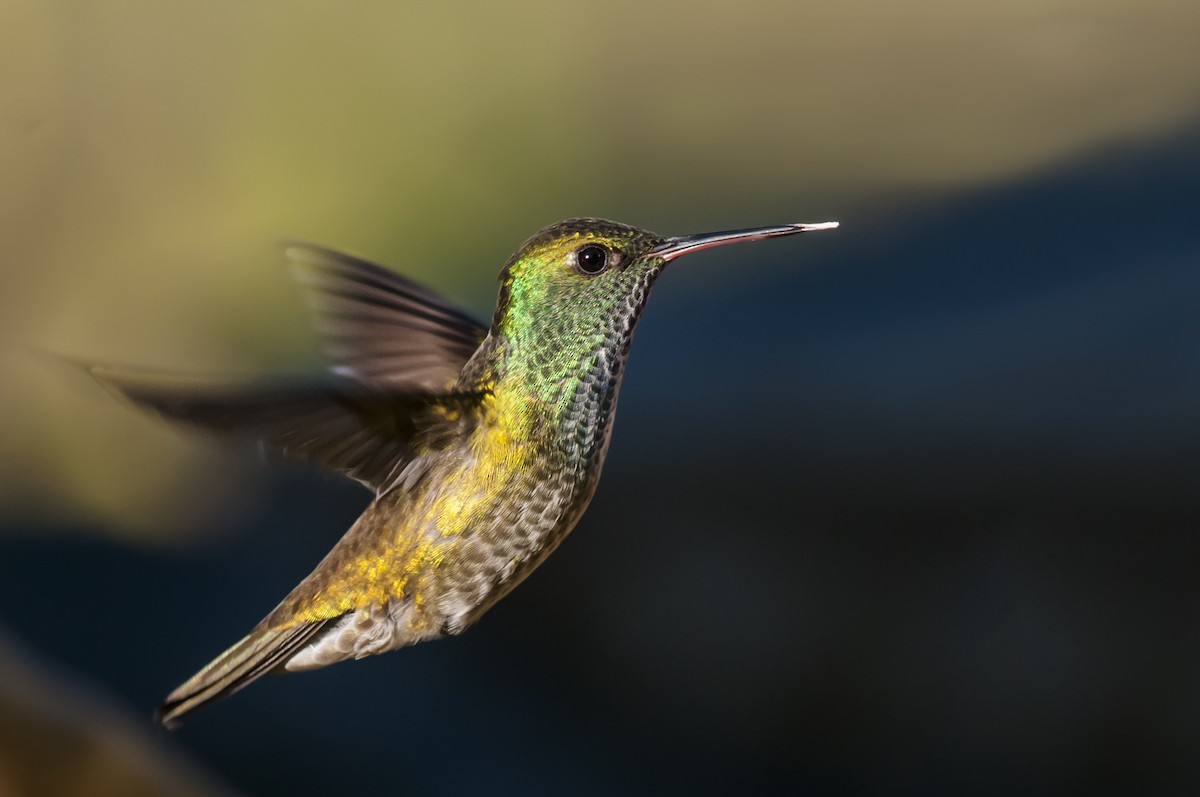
pixel 482 445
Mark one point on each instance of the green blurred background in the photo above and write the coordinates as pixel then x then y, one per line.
pixel 907 507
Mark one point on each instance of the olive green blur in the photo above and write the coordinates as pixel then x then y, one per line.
pixel 152 153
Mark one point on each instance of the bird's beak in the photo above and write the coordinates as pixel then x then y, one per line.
pixel 672 248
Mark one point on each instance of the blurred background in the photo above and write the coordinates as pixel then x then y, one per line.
pixel 911 507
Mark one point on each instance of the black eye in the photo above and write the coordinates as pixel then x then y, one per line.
pixel 591 259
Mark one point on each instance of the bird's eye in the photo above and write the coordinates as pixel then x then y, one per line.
pixel 591 259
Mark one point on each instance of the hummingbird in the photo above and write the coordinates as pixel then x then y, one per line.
pixel 482 444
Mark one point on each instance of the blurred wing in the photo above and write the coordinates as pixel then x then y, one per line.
pixel 382 329
pixel 367 435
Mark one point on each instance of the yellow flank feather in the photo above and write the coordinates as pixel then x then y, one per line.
pixel 431 534
pixel 498 451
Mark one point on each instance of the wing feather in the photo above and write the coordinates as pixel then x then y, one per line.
pixel 380 328
pixel 368 435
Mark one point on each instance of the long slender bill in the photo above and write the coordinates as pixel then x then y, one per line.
pixel 686 244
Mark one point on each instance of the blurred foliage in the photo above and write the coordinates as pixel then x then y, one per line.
pixel 59 738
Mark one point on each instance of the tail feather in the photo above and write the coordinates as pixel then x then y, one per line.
pixel 255 655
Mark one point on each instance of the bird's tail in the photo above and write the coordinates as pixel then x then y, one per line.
pixel 257 654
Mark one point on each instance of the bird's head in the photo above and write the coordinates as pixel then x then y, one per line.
pixel 577 287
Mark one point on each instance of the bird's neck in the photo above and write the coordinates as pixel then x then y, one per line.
pixel 558 398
